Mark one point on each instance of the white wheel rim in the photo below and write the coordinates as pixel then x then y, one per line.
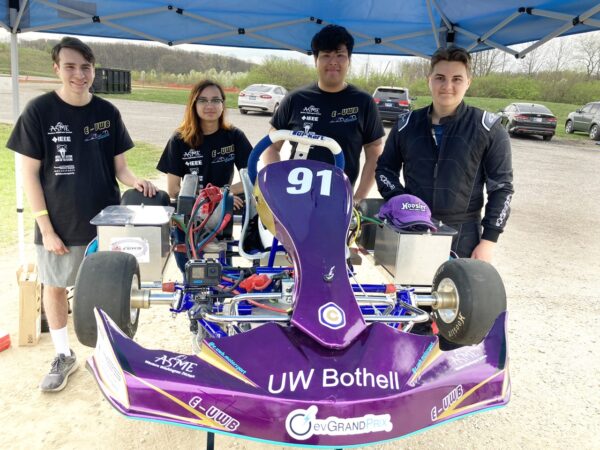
pixel 133 312
pixel 448 290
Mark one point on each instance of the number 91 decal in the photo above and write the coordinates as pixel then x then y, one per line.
pixel 301 180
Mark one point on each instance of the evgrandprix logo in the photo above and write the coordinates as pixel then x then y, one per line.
pixel 332 316
pixel 302 424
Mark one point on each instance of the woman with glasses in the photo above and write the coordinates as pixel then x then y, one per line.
pixel 205 144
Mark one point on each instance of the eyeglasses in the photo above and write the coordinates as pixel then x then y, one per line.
pixel 213 101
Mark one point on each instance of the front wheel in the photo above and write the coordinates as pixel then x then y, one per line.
pixel 471 296
pixel 595 132
pixel 569 127
pixel 105 280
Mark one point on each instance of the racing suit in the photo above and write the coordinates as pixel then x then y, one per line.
pixel 450 175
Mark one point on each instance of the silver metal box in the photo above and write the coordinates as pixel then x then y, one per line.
pixel 142 231
pixel 412 258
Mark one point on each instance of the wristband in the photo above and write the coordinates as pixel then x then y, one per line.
pixel 43 212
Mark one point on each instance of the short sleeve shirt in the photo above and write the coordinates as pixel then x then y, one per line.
pixel 213 161
pixel 350 117
pixel 76 146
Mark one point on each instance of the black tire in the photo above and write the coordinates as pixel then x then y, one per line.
pixel 135 197
pixel 569 127
pixel 243 111
pixel 481 298
pixel 275 108
pixel 595 132
pixel 547 137
pixel 105 280
pixel 507 127
pixel 369 207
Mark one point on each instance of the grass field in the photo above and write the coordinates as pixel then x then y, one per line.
pixel 165 95
pixel 141 159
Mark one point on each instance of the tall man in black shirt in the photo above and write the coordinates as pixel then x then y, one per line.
pixel 335 109
pixel 73 146
pixel 448 152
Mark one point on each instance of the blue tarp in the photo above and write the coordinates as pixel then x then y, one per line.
pixel 396 27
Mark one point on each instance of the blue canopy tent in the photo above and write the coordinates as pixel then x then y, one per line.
pixel 380 27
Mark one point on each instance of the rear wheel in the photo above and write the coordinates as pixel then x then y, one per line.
pixel 275 108
pixel 243 111
pixel 547 137
pixel 472 296
pixel 569 127
pixel 507 127
pixel 595 132
pixel 105 280
pixel 135 197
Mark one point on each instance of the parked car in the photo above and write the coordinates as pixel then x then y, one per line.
pixel 261 98
pixel 586 119
pixel 391 101
pixel 528 118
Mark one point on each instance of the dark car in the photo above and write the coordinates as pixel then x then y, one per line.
pixel 586 119
pixel 391 101
pixel 528 118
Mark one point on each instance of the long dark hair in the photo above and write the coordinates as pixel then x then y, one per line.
pixel 190 129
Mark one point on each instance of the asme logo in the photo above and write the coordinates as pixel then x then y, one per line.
pixel 59 128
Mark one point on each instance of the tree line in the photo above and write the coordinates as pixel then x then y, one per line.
pixel 566 70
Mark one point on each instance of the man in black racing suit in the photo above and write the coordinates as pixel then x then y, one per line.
pixel 448 152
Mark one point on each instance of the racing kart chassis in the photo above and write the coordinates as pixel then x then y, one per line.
pixel 313 360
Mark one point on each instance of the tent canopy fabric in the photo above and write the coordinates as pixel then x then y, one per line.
pixel 408 27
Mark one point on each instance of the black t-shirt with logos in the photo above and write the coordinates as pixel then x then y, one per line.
pixel 213 161
pixel 76 146
pixel 349 116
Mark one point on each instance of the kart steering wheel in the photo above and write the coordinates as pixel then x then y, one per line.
pixel 293 136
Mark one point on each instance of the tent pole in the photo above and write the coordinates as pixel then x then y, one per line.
pixel 14 70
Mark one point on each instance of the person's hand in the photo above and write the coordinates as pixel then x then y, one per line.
pixel 484 251
pixel 54 244
pixel 356 200
pixel 238 203
pixel 146 187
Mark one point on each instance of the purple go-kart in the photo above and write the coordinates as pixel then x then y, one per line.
pixel 313 360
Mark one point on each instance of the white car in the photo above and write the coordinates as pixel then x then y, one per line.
pixel 261 98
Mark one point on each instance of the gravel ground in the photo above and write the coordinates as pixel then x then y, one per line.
pixel 548 258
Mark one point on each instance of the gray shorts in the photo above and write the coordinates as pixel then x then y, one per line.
pixel 59 270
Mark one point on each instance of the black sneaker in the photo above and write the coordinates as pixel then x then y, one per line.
pixel 61 368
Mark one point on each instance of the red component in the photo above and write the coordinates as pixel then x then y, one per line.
pixel 266 96
pixel 179 248
pixel 256 282
pixel 4 340
pixel 168 286
pixel 242 94
pixel 551 119
pixel 434 328
pixel 521 117
pixel 377 100
pixel 213 194
pixel 390 288
pixel 403 102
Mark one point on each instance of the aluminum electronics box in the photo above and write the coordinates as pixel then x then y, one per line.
pixel 142 231
pixel 412 258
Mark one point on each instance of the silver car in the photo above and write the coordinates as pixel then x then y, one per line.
pixel 261 98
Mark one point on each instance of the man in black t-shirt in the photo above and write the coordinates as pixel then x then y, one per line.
pixel 334 109
pixel 73 145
